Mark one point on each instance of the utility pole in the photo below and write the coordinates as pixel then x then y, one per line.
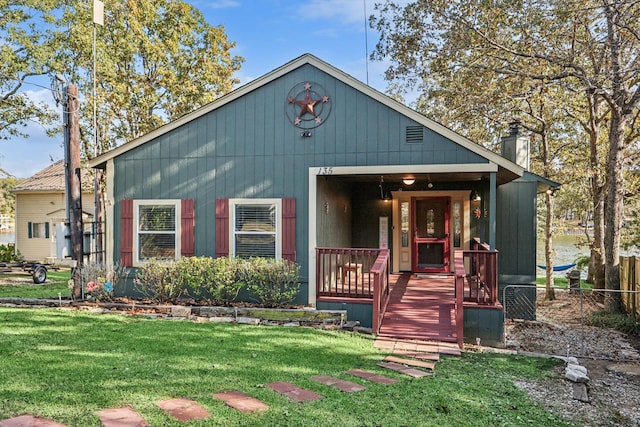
pixel 98 19
pixel 71 107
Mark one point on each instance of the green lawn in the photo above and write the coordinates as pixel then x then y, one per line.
pixel 57 282
pixel 66 365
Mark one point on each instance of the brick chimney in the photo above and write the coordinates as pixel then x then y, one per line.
pixel 515 146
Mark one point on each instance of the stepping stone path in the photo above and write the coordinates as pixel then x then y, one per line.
pixel 121 417
pixel 342 385
pixel 412 372
pixel 372 377
pixel 242 402
pixel 29 421
pixel 294 392
pixel 415 354
pixel 184 409
pixel 416 363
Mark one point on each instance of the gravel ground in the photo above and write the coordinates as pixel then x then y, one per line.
pixel 611 358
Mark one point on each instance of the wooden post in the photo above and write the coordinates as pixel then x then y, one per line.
pixel 74 192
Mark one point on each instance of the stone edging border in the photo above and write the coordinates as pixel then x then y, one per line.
pixel 323 319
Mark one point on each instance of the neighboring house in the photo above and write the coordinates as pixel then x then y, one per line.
pixel 308 164
pixel 41 212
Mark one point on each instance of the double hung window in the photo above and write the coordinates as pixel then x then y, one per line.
pixel 255 228
pixel 156 234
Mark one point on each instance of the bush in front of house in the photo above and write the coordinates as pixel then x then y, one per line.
pixel 8 253
pixel 224 280
pixel 100 280
pixel 156 281
pixel 271 282
pixel 215 280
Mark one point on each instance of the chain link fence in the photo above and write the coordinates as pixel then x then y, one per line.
pixel 574 323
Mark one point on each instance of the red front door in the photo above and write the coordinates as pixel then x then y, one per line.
pixel 430 237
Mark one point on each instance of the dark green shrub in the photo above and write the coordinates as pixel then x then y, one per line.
pixel 8 253
pixel 273 283
pixel 619 321
pixel 223 279
pixel 156 280
pixel 190 273
pixel 270 282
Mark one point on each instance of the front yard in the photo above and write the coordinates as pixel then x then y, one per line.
pixel 66 365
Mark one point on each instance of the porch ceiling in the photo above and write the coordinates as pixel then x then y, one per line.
pixel 421 179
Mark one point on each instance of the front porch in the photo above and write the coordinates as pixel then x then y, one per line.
pixel 406 305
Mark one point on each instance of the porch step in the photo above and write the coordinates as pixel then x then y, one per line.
pixel 412 372
pixel 411 362
pixel 421 308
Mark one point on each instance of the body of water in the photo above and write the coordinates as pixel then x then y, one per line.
pixel 7 238
pixel 567 248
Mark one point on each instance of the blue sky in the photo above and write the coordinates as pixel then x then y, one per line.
pixel 268 34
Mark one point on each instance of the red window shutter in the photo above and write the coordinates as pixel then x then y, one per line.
pixel 222 227
pixel 126 232
pixel 187 215
pixel 289 229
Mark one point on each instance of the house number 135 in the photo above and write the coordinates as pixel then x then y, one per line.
pixel 325 171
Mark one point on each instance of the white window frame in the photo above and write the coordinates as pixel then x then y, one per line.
pixel 244 202
pixel 39 230
pixel 136 218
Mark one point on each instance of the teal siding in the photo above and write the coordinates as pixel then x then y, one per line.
pixel 516 232
pixel 360 312
pixel 486 324
pixel 248 148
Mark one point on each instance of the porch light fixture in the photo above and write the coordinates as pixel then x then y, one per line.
pixel 386 196
pixel 408 181
pixel 475 196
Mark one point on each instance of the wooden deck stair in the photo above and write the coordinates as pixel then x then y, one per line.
pixel 421 308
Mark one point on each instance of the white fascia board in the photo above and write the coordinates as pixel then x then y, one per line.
pixel 402 169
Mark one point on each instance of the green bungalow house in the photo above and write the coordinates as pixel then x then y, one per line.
pixel 309 164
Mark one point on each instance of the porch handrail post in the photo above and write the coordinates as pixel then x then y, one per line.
pixel 459 294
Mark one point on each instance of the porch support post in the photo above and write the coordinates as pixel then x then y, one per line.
pixel 492 210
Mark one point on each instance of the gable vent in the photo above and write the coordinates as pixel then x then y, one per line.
pixel 414 135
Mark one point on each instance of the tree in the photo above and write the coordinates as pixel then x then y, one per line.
pixel 588 45
pixel 156 61
pixel 26 50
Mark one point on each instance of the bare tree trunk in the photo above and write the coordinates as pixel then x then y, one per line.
pixel 596 262
pixel 548 245
pixel 597 245
pixel 613 212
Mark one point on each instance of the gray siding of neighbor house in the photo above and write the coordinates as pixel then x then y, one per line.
pixel 248 149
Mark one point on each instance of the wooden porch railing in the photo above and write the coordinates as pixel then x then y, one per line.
pixel 460 279
pixel 381 289
pixel 481 274
pixel 345 272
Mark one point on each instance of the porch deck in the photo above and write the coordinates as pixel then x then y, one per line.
pixel 421 308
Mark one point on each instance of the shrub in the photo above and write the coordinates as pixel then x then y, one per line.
pixel 223 281
pixel 155 280
pixel 190 273
pixel 272 282
pixel 619 321
pixel 8 253
pixel 101 279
